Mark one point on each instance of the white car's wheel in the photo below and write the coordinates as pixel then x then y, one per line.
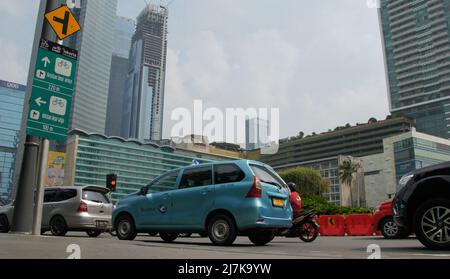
pixel 4 224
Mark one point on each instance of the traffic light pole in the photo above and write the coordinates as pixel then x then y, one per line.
pixel 30 184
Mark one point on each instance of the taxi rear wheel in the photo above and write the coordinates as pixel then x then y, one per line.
pixel 222 230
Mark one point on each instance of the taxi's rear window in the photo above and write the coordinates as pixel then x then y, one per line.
pixel 266 175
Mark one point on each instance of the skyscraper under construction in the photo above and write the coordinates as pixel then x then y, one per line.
pixel 144 96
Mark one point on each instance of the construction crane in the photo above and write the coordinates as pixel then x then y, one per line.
pixel 166 6
pixel 170 3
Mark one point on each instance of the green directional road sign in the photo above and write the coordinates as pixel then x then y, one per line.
pixel 52 93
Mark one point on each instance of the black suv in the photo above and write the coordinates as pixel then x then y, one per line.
pixel 423 205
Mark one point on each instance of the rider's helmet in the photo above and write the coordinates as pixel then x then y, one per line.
pixel 292 186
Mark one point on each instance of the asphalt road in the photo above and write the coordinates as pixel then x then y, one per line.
pixel 146 247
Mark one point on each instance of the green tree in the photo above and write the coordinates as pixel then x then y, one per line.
pixel 309 182
pixel 347 172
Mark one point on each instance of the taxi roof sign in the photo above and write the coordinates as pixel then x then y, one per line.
pixel 63 22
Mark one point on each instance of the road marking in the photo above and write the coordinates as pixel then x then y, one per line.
pixel 433 255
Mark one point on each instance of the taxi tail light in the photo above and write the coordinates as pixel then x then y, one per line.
pixel 83 207
pixel 256 190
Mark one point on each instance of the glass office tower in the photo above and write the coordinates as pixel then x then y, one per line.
pixel 95 45
pixel 124 30
pixel 416 43
pixel 11 106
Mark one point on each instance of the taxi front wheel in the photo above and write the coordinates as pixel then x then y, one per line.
pixel 125 228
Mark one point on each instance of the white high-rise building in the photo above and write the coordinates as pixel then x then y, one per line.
pixel 144 96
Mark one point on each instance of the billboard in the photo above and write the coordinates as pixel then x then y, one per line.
pixel 55 171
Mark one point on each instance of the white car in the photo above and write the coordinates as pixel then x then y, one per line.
pixel 66 209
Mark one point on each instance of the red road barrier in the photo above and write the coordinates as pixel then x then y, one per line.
pixel 359 225
pixel 332 225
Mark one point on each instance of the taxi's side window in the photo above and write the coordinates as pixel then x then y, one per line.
pixel 227 173
pixel 165 183
pixel 198 177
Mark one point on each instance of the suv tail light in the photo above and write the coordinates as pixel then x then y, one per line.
pixel 83 207
pixel 256 190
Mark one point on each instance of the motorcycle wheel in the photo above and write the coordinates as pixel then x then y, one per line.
pixel 308 232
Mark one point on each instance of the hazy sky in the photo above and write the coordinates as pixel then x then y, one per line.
pixel 319 61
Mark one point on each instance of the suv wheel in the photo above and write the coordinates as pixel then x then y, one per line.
pixel 93 233
pixel 58 226
pixel 432 224
pixel 261 238
pixel 4 224
pixel 389 229
pixel 222 230
pixel 168 237
pixel 125 228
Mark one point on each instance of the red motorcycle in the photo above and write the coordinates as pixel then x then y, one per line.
pixel 304 226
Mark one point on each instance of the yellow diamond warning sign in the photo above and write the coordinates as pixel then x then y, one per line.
pixel 63 22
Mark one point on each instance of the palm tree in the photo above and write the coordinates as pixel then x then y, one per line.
pixel 346 174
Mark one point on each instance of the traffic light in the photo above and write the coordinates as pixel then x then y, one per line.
pixel 111 182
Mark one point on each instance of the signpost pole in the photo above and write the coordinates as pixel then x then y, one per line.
pixel 30 185
pixel 24 202
pixel 37 218
pixel 43 154
pixel 24 199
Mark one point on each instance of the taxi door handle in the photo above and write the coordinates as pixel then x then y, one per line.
pixel 206 192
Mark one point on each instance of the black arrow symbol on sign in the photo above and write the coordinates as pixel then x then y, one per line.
pixel 64 22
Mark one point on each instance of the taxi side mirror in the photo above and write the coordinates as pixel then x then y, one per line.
pixel 143 191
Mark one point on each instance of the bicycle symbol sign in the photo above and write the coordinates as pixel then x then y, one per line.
pixel 52 91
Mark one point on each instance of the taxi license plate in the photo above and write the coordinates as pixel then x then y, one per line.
pixel 278 202
pixel 101 224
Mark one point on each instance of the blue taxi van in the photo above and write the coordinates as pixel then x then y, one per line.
pixel 221 200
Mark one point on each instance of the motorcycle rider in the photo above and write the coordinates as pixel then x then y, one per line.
pixel 295 200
